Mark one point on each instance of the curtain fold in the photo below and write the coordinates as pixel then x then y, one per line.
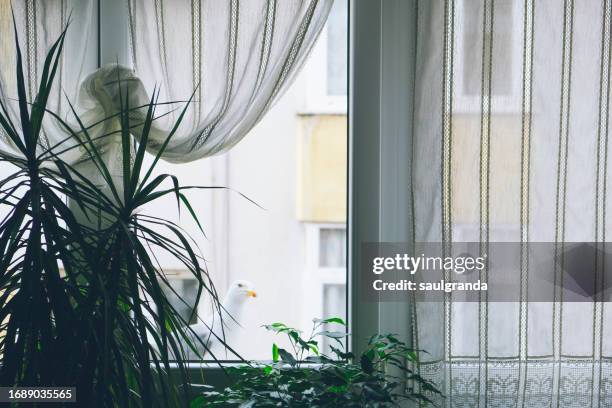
pixel 235 57
pixel 38 24
pixel 238 56
pixel 511 144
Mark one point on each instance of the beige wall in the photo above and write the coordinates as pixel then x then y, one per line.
pixel 322 168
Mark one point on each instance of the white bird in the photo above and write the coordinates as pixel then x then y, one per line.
pixel 210 331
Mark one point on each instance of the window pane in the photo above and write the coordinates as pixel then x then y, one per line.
pixel 337 48
pixel 291 244
pixel 334 305
pixel 332 248
pixel 183 296
pixel 294 168
pixel 503 48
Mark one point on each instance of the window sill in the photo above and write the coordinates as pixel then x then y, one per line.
pixel 322 112
pixel 324 105
pixel 211 373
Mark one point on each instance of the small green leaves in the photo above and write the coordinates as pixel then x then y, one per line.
pixel 341 354
pixel 287 356
pixel 313 346
pixel 312 379
pixel 332 334
pixel 412 356
pixel 280 328
pixel 336 320
pixel 274 352
pixel 366 361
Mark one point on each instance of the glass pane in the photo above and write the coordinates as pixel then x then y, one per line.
pixel 472 45
pixel 334 305
pixel 294 167
pixel 183 297
pixel 337 48
pixel 332 247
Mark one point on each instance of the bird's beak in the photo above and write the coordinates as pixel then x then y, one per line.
pixel 251 293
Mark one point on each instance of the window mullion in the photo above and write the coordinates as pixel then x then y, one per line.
pixel 113 39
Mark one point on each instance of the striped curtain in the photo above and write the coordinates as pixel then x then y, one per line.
pixel 39 24
pixel 512 112
pixel 236 57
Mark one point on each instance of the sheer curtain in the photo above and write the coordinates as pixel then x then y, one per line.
pixel 237 56
pixel 511 144
pixel 242 54
pixel 38 25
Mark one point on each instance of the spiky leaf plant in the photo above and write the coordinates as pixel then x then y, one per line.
pixel 81 296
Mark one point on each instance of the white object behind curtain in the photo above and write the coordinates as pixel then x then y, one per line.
pixel 242 54
pixel 511 144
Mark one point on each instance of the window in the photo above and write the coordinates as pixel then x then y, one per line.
pixel 326 71
pixel 182 295
pixel 326 270
pixel 332 247
pixel 291 246
pixel 337 49
pixel 294 167
pixel 505 88
pixel 334 304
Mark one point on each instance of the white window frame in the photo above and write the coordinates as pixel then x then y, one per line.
pixel 316 277
pixel 382 71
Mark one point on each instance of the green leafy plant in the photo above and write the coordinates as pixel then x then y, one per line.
pixel 82 296
pixel 382 376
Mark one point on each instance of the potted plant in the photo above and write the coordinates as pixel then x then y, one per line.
pixel 382 376
pixel 81 298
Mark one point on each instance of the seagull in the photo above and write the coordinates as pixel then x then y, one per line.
pixel 210 330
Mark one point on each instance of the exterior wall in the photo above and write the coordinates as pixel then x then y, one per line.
pixel 322 168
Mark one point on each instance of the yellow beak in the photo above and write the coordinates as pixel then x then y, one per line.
pixel 251 293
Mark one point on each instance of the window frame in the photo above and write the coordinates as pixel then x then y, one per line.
pixel 382 69
pixel 379 141
pixel 313 246
pixel 379 126
pixel 316 277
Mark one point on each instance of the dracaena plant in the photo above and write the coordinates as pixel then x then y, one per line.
pixel 382 376
pixel 82 298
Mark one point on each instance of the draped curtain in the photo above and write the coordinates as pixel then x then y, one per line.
pixel 39 24
pixel 511 144
pixel 235 58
